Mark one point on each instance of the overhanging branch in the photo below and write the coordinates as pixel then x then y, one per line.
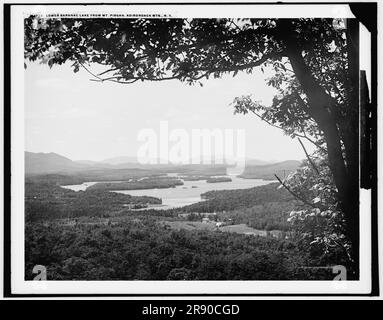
pixel 205 71
pixel 322 208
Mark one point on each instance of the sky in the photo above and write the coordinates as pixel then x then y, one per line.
pixel 68 114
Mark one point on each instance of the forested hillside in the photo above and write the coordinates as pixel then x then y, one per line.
pixel 49 201
pixel 268 171
pixel 144 251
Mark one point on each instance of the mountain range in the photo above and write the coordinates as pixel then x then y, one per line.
pixel 44 163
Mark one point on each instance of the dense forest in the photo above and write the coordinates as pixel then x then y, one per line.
pixel 266 216
pixel 46 201
pixel 141 250
pixel 241 198
pixel 265 207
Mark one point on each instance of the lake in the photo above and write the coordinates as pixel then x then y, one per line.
pixel 186 194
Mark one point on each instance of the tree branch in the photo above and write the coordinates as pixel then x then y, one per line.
pixel 308 157
pixel 248 65
pixel 136 78
pixel 90 72
pixel 299 197
pixel 304 136
pixel 118 68
pixel 206 71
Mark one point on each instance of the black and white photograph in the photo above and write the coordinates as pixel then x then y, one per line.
pixel 192 149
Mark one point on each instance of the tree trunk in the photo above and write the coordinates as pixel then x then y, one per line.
pixel 343 163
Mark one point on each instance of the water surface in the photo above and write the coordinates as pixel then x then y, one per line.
pixel 186 194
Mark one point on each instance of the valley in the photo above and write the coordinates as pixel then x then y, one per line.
pixel 161 223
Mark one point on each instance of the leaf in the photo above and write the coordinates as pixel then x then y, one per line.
pixel 316 200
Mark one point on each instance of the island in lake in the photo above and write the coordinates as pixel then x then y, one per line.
pixel 218 179
pixel 159 182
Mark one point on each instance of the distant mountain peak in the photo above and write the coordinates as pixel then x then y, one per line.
pixel 50 162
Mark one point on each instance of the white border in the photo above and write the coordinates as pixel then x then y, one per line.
pixel 19 286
